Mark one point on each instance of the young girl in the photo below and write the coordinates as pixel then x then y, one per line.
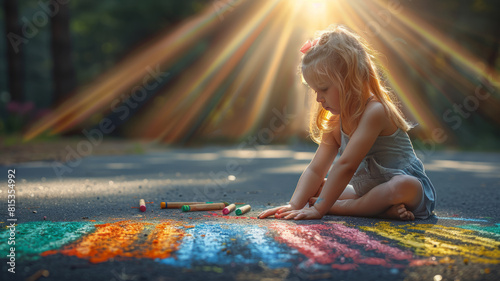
pixel 377 173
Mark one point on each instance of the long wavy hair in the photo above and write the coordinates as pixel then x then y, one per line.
pixel 343 58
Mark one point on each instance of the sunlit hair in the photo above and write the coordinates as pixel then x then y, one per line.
pixel 345 60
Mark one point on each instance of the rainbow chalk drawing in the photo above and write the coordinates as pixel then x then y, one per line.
pixel 224 244
pixel 491 231
pixel 164 239
pixel 34 238
pixel 441 241
pixel 121 240
pixel 110 240
pixel 462 219
pixel 333 245
pixel 277 245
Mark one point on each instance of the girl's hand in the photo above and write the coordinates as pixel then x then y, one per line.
pixel 304 214
pixel 275 211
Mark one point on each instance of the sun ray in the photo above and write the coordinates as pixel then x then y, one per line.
pixel 207 77
pixel 125 74
pixel 231 65
pixel 432 35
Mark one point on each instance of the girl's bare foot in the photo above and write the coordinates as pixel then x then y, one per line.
pixel 399 212
pixel 405 214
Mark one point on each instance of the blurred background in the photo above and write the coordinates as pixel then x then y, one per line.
pixel 193 72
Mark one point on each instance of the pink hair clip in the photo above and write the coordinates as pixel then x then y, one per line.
pixel 308 45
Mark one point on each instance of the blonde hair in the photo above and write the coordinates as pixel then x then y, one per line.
pixel 342 57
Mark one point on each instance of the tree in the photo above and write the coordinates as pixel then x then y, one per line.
pixel 14 50
pixel 63 68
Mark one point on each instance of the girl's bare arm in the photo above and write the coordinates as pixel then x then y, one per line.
pixel 373 121
pixel 312 177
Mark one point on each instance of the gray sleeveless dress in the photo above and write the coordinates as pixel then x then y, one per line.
pixel 390 156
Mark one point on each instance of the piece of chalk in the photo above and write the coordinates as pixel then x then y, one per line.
pixel 203 207
pixel 242 210
pixel 42 272
pixel 225 203
pixel 178 205
pixel 228 209
pixel 142 205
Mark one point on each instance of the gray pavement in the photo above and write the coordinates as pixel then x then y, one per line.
pixel 462 242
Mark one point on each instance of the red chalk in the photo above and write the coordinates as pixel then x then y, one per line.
pixel 229 209
pixel 142 205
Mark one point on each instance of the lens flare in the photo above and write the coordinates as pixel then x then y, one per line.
pixel 221 74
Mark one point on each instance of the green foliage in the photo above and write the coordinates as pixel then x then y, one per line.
pixel 104 31
pixel 102 34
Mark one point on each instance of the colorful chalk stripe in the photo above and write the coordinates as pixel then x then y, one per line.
pixel 221 244
pixel 340 246
pixel 441 241
pixel 34 238
pixel 278 245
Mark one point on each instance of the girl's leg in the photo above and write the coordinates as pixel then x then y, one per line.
pixel 348 193
pixel 402 193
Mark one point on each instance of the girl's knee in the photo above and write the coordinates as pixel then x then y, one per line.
pixel 348 193
pixel 405 189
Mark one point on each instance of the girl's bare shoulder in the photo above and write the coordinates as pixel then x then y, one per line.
pixel 375 110
pixel 332 137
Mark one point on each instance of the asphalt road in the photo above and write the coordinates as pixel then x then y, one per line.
pixel 80 220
